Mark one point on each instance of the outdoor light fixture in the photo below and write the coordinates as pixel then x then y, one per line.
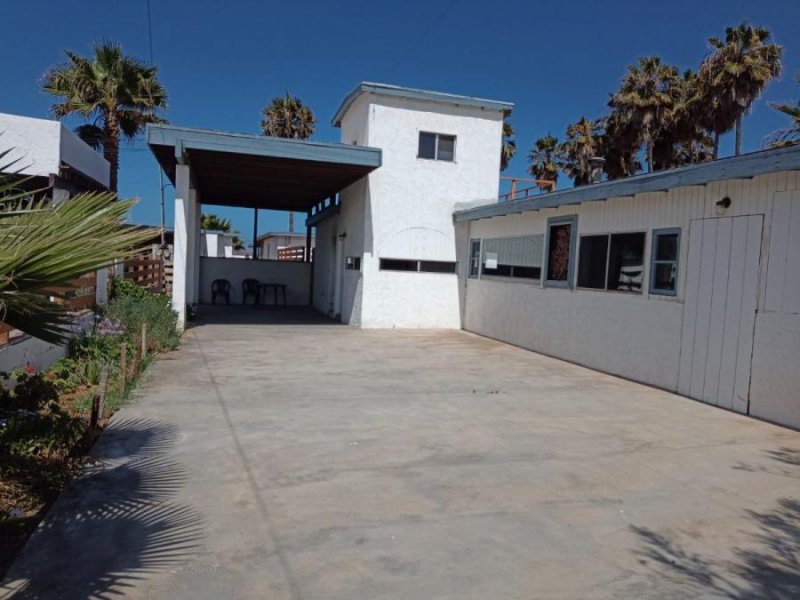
pixel 723 205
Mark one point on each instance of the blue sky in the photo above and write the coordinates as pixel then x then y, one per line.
pixel 222 61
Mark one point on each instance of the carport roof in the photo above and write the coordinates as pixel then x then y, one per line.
pixel 233 169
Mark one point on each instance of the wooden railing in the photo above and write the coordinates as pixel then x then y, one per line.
pixel 540 186
pixel 295 253
pixel 77 294
pixel 144 271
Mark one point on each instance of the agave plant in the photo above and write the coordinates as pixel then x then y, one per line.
pixel 43 246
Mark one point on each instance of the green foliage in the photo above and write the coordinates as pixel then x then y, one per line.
pixel 287 117
pixel 44 434
pixel 117 93
pixel 509 146
pixel 543 159
pixel 124 288
pixel 155 311
pixel 791 135
pixel 211 222
pixel 31 393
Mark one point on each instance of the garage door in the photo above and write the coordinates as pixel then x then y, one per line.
pixel 719 310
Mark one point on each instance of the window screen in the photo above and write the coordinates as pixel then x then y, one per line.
pixel 626 262
pixel 519 257
pixel 436 266
pixel 560 248
pixel 592 260
pixel 427 145
pixel 664 262
pixel 447 148
pixel 396 264
pixel 474 258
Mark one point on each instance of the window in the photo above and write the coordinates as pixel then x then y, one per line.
pixel 437 146
pixel 516 257
pixel 612 262
pixel 474 258
pixel 560 250
pixel 664 261
pixel 352 263
pixel 417 266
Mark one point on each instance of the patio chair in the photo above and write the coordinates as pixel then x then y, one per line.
pixel 221 287
pixel 251 287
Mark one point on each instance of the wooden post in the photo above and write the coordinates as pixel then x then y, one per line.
pixel 98 403
pixel 513 189
pixel 144 340
pixel 123 359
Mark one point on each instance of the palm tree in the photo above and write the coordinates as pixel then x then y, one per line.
pixel 43 246
pixel 543 160
pixel 580 144
pixel 288 117
pixel 618 142
pixel 117 93
pixel 210 222
pixel 734 75
pixel 790 136
pixel 684 140
pixel 509 145
pixel 646 99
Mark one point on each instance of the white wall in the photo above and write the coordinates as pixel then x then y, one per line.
pixel 408 204
pixel 37 353
pixel 296 276
pixel 42 144
pixel 638 336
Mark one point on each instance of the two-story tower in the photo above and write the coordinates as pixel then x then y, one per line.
pixel 388 257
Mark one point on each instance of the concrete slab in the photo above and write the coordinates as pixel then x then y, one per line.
pixel 277 455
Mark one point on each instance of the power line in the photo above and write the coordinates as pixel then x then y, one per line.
pixel 150 31
pixel 421 36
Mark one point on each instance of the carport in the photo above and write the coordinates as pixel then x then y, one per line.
pixel 250 171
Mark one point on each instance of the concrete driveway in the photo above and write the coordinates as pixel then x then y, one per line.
pixel 289 457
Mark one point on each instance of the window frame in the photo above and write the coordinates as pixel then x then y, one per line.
pixel 653 262
pixel 609 235
pixel 436 136
pixel 477 264
pixel 573 244
pixel 418 261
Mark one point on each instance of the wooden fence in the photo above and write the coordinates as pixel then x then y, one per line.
pixel 144 271
pixel 294 253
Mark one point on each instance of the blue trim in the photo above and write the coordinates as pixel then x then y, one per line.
pixel 652 278
pixel 183 139
pixel 573 239
pixel 745 166
pixel 385 89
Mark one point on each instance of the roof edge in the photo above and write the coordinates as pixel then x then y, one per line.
pixel 745 166
pixel 386 89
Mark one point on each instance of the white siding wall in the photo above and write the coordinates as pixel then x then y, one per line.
pixel 296 276
pixel 638 336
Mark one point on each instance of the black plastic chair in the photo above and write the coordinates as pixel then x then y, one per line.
pixel 221 287
pixel 251 287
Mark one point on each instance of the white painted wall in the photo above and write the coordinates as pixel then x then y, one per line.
pixel 404 209
pixel 42 144
pixel 37 353
pixel 639 336
pixel 296 276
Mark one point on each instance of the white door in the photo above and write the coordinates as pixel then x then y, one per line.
pixel 719 310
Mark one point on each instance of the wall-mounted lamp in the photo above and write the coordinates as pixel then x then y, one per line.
pixel 723 205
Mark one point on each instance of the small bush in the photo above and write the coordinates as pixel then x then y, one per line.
pixel 155 311
pixel 124 288
pixel 31 393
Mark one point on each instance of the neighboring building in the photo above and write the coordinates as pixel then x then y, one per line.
pixel 388 258
pixel 685 279
pixel 219 244
pixel 270 243
pixel 55 159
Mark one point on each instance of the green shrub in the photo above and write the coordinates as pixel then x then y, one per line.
pixel 31 393
pixel 124 288
pixel 47 434
pixel 155 311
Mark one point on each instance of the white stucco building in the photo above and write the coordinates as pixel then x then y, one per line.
pixel 53 156
pixel 685 279
pixel 388 258
pixel 270 243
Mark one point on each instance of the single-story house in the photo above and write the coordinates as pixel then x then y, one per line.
pixel 293 245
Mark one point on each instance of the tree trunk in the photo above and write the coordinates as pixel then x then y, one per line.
pixel 111 147
pixel 716 145
pixel 649 157
pixel 738 135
